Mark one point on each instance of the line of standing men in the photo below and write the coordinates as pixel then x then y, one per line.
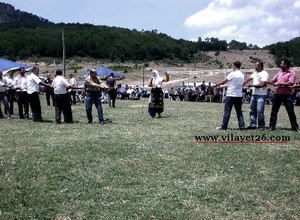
pixel 283 81
pixel 27 89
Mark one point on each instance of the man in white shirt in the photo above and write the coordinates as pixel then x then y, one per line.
pixel 10 91
pixel 259 95
pixel 20 83
pixel 3 98
pixel 72 92
pixel 62 98
pixel 33 89
pixel 234 82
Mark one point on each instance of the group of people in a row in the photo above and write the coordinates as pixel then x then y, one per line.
pixel 284 83
pixel 27 93
pixel 26 89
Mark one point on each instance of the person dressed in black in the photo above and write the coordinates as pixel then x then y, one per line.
pixel 203 91
pixel 48 91
pixel 156 99
pixel 111 91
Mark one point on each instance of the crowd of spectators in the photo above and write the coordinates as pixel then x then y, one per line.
pixel 204 92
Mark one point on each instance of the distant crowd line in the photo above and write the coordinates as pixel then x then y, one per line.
pixel 205 92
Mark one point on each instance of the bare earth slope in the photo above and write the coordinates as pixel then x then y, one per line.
pixel 210 71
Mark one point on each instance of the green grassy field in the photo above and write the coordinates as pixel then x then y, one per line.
pixel 143 168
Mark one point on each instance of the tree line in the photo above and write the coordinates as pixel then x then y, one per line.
pixel 289 49
pixel 21 40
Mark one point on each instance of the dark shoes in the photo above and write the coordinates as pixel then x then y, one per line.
pixel 106 121
pixel 253 128
pixel 38 120
pixel 293 129
pixel 220 128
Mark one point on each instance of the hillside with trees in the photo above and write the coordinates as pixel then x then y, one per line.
pixel 289 49
pixel 24 35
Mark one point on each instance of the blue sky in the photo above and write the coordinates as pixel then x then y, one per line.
pixel 259 22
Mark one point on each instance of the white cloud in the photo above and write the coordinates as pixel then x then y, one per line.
pixel 225 2
pixel 297 4
pixel 228 30
pixel 259 22
pixel 273 20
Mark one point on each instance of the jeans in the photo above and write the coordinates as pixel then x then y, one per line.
pixel 73 97
pixel 237 103
pixel 3 98
pixel 93 97
pixel 287 100
pixel 257 109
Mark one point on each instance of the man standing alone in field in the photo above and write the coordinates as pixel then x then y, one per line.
pixel 259 95
pixel 234 82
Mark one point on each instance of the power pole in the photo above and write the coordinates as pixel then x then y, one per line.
pixel 143 75
pixel 64 53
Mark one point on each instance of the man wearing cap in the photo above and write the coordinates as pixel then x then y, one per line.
pixel 93 87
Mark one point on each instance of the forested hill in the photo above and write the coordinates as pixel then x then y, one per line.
pixel 289 49
pixel 9 14
pixel 24 35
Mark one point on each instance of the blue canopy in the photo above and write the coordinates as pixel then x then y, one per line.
pixel 7 65
pixel 103 73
